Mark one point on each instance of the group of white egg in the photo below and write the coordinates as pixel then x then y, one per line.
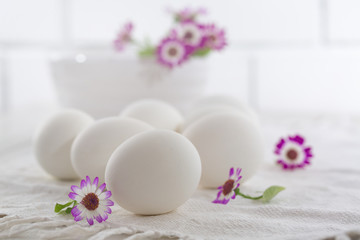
pixel 151 158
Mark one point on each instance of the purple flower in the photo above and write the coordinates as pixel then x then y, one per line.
pixel 94 202
pixel 123 37
pixel 172 52
pixel 227 191
pixel 292 152
pixel 214 37
pixel 187 14
pixel 191 34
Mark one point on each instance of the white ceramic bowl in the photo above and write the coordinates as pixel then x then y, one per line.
pixel 103 82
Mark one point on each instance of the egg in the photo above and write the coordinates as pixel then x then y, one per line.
pixel 153 172
pixel 157 113
pixel 200 112
pixel 224 100
pixel 53 140
pixel 93 147
pixel 225 140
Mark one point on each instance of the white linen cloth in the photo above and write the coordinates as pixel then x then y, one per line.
pixel 322 201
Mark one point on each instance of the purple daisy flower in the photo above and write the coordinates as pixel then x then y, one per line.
pixel 292 152
pixel 227 191
pixel 123 37
pixel 191 34
pixel 214 37
pixel 172 52
pixel 93 201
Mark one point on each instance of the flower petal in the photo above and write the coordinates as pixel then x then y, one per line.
pixel 75 197
pixel 108 202
pixel 221 201
pixel 72 195
pixel 231 172
pixel 90 220
pixel 238 171
pixel 219 193
pixel 75 211
pixel 105 195
pixel 308 152
pixel 88 181
pixel 238 179
pixel 280 145
pixel 100 189
pixel 82 184
pixel 298 139
pixel 88 184
pixel 96 182
pixel 98 218
pixel 77 190
pixel 78 218
pixel 233 196
pixel 108 210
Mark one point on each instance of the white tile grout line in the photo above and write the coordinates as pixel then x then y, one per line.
pixel 4 84
pixel 66 23
pixel 324 22
pixel 253 85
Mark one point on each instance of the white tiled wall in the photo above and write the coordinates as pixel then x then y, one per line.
pixel 309 80
pixel 298 55
pixel 344 19
pixel 30 21
pixel 275 21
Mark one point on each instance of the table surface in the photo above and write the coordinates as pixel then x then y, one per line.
pixel 319 202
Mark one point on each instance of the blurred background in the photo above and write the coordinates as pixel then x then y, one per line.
pixel 299 56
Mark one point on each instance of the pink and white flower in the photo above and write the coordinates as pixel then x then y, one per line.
pixel 227 191
pixel 93 201
pixel 172 52
pixel 214 37
pixel 123 37
pixel 292 153
pixel 191 34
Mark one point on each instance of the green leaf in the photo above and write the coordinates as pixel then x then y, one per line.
pixel 271 192
pixel 59 207
pixel 201 52
pixel 147 51
pixel 68 210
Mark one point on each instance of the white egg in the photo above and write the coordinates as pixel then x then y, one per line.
pixel 157 113
pixel 153 172
pixel 224 100
pixel 93 147
pixel 200 112
pixel 226 140
pixel 53 140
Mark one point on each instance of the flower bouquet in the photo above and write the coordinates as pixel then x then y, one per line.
pixel 188 38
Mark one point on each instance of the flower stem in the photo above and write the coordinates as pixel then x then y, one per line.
pixel 237 191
